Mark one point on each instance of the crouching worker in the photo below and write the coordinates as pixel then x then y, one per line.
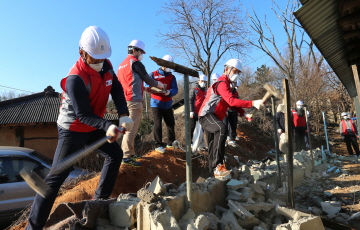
pixel 213 110
pixel 86 90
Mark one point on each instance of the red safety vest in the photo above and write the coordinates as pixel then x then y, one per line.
pixel 165 80
pixel 99 89
pixel 344 127
pixel 128 80
pixel 298 121
pixel 199 99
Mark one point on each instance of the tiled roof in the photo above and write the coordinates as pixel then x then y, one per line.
pixel 35 108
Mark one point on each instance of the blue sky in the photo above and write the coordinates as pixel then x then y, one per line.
pixel 39 39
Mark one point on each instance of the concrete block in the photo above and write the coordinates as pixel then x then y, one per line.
pixel 147 195
pixel 245 170
pixel 248 223
pixel 247 192
pixel 163 220
pixel 230 219
pixel 312 222
pixel 291 213
pixel 234 195
pixel 103 222
pixel 261 183
pixel 188 218
pixel 157 186
pixel 257 189
pixel 122 213
pixel 355 216
pixel 239 210
pixel 202 222
pixel 212 218
pixel 235 184
pixel 200 179
pixel 177 205
pixel 143 216
pixel 257 207
pixel 332 208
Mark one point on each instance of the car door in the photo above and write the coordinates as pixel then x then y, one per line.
pixel 15 194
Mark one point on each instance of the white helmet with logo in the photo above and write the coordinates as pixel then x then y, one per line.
pixel 95 42
pixel 215 76
pixel 168 58
pixel 203 77
pixel 236 63
pixel 300 103
pixel 344 114
pixel 138 44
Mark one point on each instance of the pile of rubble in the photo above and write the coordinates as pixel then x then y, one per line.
pixel 246 199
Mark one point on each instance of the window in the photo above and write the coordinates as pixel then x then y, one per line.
pixel 10 168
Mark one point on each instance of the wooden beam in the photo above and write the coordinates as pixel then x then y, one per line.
pixel 354 34
pixel 345 5
pixel 356 79
pixel 176 67
pixel 349 20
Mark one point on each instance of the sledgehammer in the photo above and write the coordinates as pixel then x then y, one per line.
pixel 37 183
pixel 270 91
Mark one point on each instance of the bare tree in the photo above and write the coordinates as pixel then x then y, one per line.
pixel 203 31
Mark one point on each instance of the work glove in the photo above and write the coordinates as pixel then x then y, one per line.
pixel 191 114
pixel 126 122
pixel 160 85
pixel 167 92
pixel 258 104
pixel 114 132
pixel 280 131
pixel 248 117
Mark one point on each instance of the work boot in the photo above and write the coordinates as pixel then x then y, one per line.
pixel 131 162
pixel 135 156
pixel 221 171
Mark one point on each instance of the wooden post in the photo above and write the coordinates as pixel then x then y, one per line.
pixel 357 85
pixel 288 134
pixel 279 184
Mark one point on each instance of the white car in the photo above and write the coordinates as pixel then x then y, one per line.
pixel 15 194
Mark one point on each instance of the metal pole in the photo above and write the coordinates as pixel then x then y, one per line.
pixel 279 185
pixel 308 129
pixel 288 132
pixel 326 134
pixel 188 140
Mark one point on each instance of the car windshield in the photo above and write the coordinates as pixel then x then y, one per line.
pixel 41 157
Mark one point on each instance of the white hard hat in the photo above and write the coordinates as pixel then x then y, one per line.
pixel 236 63
pixel 138 44
pixel 344 114
pixel 203 77
pixel 95 42
pixel 168 58
pixel 299 103
pixel 215 76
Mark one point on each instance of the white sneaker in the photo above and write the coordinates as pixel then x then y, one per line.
pixel 160 149
pixel 232 143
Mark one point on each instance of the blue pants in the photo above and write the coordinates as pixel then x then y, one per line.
pixel 68 143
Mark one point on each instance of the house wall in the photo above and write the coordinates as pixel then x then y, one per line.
pixel 8 137
pixel 35 137
pixel 42 138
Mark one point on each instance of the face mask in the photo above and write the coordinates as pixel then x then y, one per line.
pixel 140 57
pixel 97 67
pixel 345 117
pixel 299 106
pixel 234 77
pixel 168 70
pixel 202 84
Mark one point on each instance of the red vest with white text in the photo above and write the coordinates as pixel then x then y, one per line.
pixel 199 99
pixel 165 80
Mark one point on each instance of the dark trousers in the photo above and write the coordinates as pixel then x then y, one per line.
pixel 301 140
pixel 351 140
pixel 215 131
pixel 68 143
pixel 193 124
pixel 168 115
pixel 231 123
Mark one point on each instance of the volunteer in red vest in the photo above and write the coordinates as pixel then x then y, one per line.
pixel 86 91
pixel 300 129
pixel 132 75
pixel 349 134
pixel 161 105
pixel 213 110
pixel 197 97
